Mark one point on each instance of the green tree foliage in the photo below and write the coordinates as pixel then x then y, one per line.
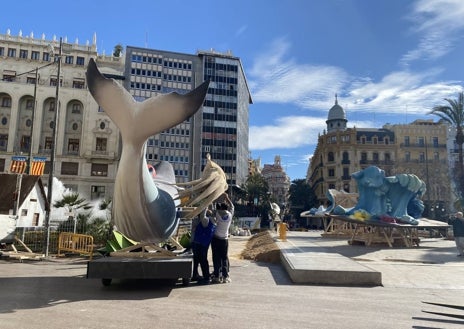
pixel 301 197
pixel 72 202
pixel 257 195
pixel 117 51
pixel 453 113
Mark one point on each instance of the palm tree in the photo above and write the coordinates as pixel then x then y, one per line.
pixel 72 201
pixel 454 115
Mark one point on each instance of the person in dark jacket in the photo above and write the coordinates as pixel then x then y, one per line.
pixel 458 232
pixel 201 241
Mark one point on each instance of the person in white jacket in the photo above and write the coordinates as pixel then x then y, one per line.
pixel 220 241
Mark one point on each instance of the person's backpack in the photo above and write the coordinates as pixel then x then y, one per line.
pixel 204 235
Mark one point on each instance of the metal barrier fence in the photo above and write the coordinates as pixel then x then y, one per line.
pixel 76 243
pixel 33 237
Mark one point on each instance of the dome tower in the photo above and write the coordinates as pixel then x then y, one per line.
pixel 336 119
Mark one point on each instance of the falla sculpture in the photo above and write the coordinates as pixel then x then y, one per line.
pixel 144 206
pixel 393 199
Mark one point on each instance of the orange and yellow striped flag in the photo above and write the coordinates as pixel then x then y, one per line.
pixel 38 166
pixel 18 165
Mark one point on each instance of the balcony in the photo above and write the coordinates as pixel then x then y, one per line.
pixel 429 145
pixel 100 155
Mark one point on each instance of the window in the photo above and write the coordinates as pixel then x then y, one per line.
pixel 435 141
pixel 407 156
pixel 29 104
pixel 6 102
pixel 11 52
pixel 23 53
pixel 364 157
pixel 346 173
pixel 421 157
pixel 35 219
pixel 2 51
pixel 9 76
pixel 76 108
pixel 35 55
pixel 97 192
pixel 387 158
pixel 30 80
pixel 375 140
pixel 363 140
pixel 46 57
pixel 386 140
pixel 101 144
pixel 51 106
pixel 48 143
pixel 375 157
pixel 346 157
pixel 73 146
pixel 69 59
pixel 330 157
pixel 69 168
pixel 99 169
pixel 406 140
pixel 3 142
pixel 80 60
pixel 420 141
pixel 25 143
pixel 436 156
pixel 53 82
pixel 331 172
pixel 78 84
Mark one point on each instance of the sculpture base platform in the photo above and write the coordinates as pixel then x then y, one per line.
pixel 109 268
pixel 372 231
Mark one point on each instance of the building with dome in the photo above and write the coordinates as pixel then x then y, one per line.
pixel 336 119
pixel 417 148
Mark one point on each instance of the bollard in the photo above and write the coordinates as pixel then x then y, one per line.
pixel 283 231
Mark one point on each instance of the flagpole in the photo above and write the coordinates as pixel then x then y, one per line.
pixel 29 167
pixel 52 157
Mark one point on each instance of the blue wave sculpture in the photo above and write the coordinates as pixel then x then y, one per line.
pixel 396 197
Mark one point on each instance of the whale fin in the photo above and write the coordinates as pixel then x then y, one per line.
pixel 137 120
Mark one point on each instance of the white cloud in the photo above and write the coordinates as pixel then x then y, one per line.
pixel 291 132
pixel 288 132
pixel 439 22
pixel 277 78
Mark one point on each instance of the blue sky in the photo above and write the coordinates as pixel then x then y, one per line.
pixel 389 61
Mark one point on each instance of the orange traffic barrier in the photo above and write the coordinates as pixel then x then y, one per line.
pixel 78 243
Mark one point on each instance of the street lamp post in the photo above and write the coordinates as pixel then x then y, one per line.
pixel 52 155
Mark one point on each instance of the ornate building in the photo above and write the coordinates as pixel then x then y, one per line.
pixel 277 180
pixel 87 148
pixel 418 148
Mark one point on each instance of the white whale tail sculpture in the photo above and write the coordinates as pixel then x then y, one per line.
pixel 142 209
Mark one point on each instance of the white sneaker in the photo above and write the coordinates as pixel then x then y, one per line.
pixel 226 279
